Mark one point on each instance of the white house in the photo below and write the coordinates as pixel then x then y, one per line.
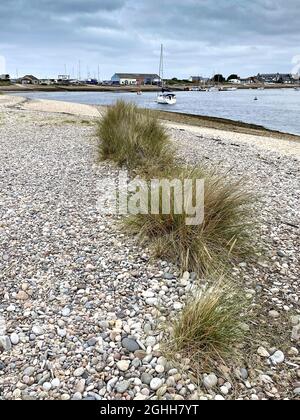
pixel 235 81
pixel 133 79
pixel 5 77
pixel 29 80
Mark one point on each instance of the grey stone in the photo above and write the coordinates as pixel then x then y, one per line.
pixel 122 387
pixel 130 345
pixel 5 343
pixel 92 342
pixel 244 374
pixel 79 372
pixel 146 378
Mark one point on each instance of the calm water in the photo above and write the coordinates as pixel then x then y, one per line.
pixel 278 109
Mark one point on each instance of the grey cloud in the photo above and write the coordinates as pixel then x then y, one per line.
pixel 124 35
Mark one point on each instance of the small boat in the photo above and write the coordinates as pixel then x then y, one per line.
pixel 214 89
pixel 139 92
pixel 256 98
pixel 164 98
pixel 229 89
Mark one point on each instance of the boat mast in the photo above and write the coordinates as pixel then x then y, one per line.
pixel 161 66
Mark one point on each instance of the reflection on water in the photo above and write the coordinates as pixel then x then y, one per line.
pixel 278 109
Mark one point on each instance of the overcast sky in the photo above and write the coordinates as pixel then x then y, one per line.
pixel 42 37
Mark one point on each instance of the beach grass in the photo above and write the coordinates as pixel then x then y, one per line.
pixel 209 328
pixel 133 137
pixel 225 233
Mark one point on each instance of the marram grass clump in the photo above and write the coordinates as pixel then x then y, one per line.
pixel 225 233
pixel 133 137
pixel 210 326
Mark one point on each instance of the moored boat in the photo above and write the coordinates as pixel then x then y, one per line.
pixel 164 98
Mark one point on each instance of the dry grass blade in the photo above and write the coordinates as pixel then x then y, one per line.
pixel 226 232
pixel 209 327
pixel 133 137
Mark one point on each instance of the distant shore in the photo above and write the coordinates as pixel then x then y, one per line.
pixel 122 89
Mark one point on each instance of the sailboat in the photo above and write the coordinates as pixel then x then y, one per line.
pixel 164 98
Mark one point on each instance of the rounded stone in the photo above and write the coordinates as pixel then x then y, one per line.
pixel 122 387
pixel 79 372
pixel 263 352
pixel 14 338
pixel 130 345
pixel 123 365
pixel 277 358
pixel 47 386
pixel 66 312
pixel 55 383
pixel 210 381
pixel 159 369
pixel 146 378
pixel 37 330
pixel 156 383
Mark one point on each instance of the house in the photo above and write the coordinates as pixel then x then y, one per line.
pixel 4 77
pixel 134 79
pixel 29 80
pixel 235 81
pixel 275 78
pixel 47 82
pixel 195 79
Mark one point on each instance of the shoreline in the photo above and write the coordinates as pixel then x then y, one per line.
pixel 217 123
pixel 129 89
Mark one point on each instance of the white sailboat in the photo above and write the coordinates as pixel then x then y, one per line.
pixel 164 98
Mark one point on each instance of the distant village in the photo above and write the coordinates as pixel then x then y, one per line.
pixel 140 79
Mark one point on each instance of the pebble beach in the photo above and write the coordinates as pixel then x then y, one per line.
pixel 81 302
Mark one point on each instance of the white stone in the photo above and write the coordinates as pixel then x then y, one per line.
pixel 210 381
pixel 79 372
pixel 66 312
pixel 224 390
pixel 37 330
pixel 123 365
pixel 274 314
pixel 277 358
pixel 47 386
pixel 55 383
pixel 156 383
pixel 14 338
pixel 159 369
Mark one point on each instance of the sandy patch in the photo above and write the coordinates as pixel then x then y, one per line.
pixel 281 146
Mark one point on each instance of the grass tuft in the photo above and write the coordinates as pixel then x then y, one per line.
pixel 225 233
pixel 133 137
pixel 209 328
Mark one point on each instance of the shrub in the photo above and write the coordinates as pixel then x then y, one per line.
pixel 210 326
pixel 133 137
pixel 224 233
